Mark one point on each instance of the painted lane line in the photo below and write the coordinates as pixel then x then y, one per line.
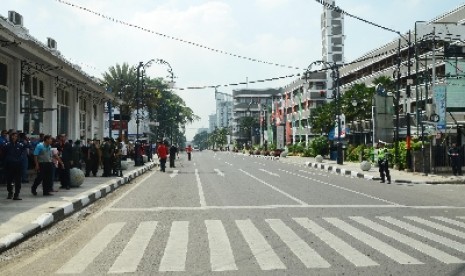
pixel 347 251
pixel 174 257
pixel 174 173
pixel 429 235
pixel 342 188
pixel 261 249
pixel 270 173
pixel 221 255
pixel 218 172
pixel 199 186
pixel 451 221
pixel 422 247
pixel 88 253
pixel 437 226
pixel 132 254
pixel 230 164
pixel 274 188
pixel 373 242
pixel 309 257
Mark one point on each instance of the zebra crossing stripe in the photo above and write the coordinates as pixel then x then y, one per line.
pixel 422 247
pixel 373 242
pixel 221 255
pixel 261 249
pixel 174 257
pixel 129 259
pixel 437 226
pixel 451 221
pixel 92 249
pixel 429 235
pixel 300 248
pixel 351 254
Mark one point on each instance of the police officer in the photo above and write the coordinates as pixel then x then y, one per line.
pixel 383 163
pixel 455 160
pixel 13 152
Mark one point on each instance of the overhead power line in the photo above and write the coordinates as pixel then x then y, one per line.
pixel 173 37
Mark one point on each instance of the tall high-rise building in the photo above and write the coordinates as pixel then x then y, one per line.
pixel 332 38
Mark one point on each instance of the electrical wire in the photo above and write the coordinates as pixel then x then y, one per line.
pixel 173 37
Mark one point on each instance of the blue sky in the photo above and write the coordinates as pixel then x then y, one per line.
pixel 286 32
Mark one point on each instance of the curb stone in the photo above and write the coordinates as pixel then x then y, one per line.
pixel 47 219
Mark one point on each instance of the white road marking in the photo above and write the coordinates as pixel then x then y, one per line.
pixel 373 242
pixel 274 188
pixel 429 235
pixel 129 259
pixel 174 257
pixel 221 255
pixel 230 164
pixel 278 206
pixel 92 249
pixel 351 254
pixel 342 188
pixel 203 203
pixel 218 172
pixel 270 173
pixel 422 247
pixel 261 249
pixel 300 248
pixel 174 173
pixel 437 226
pixel 451 221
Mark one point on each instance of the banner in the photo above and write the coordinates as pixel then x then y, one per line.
pixel 440 101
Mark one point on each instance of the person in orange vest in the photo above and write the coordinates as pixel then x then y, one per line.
pixel 189 152
pixel 162 153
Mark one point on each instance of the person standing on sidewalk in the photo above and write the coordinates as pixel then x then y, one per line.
pixel 383 163
pixel 3 141
pixel 455 159
pixel 13 156
pixel 43 166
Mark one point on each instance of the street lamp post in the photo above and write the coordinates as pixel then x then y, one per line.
pixel 335 75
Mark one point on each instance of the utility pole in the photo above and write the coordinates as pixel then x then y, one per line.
pixel 408 94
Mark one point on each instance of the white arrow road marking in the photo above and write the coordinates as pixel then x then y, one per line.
pixel 220 173
pixel 174 174
pixel 270 173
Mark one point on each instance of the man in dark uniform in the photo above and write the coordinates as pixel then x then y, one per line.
pixel 455 159
pixel 173 152
pixel 383 163
pixel 66 149
pixel 106 156
pixel 12 156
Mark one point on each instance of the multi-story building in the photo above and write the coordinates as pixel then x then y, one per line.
pixel 254 104
pixel 41 91
pixel 224 106
pixel 211 123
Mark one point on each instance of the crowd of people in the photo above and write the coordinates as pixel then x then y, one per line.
pixel 53 158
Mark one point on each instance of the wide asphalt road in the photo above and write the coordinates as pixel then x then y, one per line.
pixel 230 214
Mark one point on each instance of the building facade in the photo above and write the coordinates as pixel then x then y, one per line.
pixel 41 91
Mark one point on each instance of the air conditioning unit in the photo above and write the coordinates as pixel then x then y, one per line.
pixel 51 43
pixel 15 18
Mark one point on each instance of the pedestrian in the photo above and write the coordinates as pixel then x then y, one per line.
pixel 189 152
pixel 25 157
pixel 106 157
pixel 77 155
pixel 383 163
pixel 173 152
pixel 13 157
pixel 65 147
pixel 43 166
pixel 455 159
pixel 162 153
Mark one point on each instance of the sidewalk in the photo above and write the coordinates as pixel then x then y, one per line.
pixel 20 220
pixel 353 169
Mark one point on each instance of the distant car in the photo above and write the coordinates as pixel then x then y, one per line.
pixel 196 148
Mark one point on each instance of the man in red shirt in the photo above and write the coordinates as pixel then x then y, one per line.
pixel 162 152
pixel 189 152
